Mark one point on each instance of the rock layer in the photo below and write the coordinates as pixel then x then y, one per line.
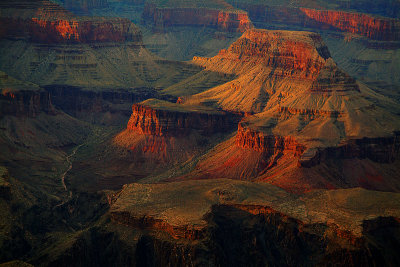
pixel 224 20
pixel 269 144
pixel 373 27
pixel 23 99
pixel 45 22
pixel 176 120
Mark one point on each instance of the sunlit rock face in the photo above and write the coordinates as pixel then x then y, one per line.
pixel 45 22
pixel 174 120
pixel 303 111
pixel 372 26
pixel 224 20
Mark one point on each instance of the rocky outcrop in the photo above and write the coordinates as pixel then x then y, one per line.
pixel 26 103
pixel 242 222
pixel 376 28
pixel 384 150
pixel 278 50
pixel 269 144
pixel 72 31
pixel 383 29
pixel 143 222
pixel 299 54
pixel 45 22
pixel 23 99
pixel 88 105
pixel 223 20
pixel 152 120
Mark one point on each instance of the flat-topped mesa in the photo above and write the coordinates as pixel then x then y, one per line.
pixel 162 118
pixel 224 20
pixel 271 66
pixel 268 144
pixel 286 51
pixel 45 22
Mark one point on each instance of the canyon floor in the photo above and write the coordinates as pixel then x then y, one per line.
pixel 199 133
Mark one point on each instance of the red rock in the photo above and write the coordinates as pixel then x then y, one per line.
pixel 376 28
pixel 231 21
pixel 45 22
pixel 149 120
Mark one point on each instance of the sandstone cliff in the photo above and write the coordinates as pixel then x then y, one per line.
pixel 374 27
pixel 336 231
pixel 160 118
pixel 45 22
pixel 224 20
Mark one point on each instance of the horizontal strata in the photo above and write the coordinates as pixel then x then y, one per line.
pixel 224 20
pixel 178 120
pixel 383 149
pixel 373 27
pixel 48 23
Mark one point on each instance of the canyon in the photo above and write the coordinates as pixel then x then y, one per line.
pixel 223 20
pixel 199 133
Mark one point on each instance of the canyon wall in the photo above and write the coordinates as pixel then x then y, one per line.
pixel 46 22
pixel 26 103
pixel 376 28
pixel 224 20
pixel 269 144
pixel 71 31
pixel 382 149
pixel 159 122
pixel 245 234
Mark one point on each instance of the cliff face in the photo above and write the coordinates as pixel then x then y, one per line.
pixel 46 22
pixel 383 29
pixel 232 21
pixel 26 103
pixel 71 31
pixel 214 217
pixel 269 144
pixel 19 98
pixel 384 150
pixel 152 121
pixel 376 28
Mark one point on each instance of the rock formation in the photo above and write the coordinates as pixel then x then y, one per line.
pixel 321 18
pixel 161 118
pixel 199 211
pixel 23 99
pixel 223 20
pixel 306 110
pixel 45 22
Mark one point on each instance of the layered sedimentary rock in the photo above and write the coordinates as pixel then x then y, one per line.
pixel 277 65
pixel 22 98
pixel 45 22
pixel 269 144
pixel 383 29
pixel 227 216
pixel 224 20
pixel 373 27
pixel 302 111
pixel 161 118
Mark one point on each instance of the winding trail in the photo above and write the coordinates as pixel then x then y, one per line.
pixel 68 158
